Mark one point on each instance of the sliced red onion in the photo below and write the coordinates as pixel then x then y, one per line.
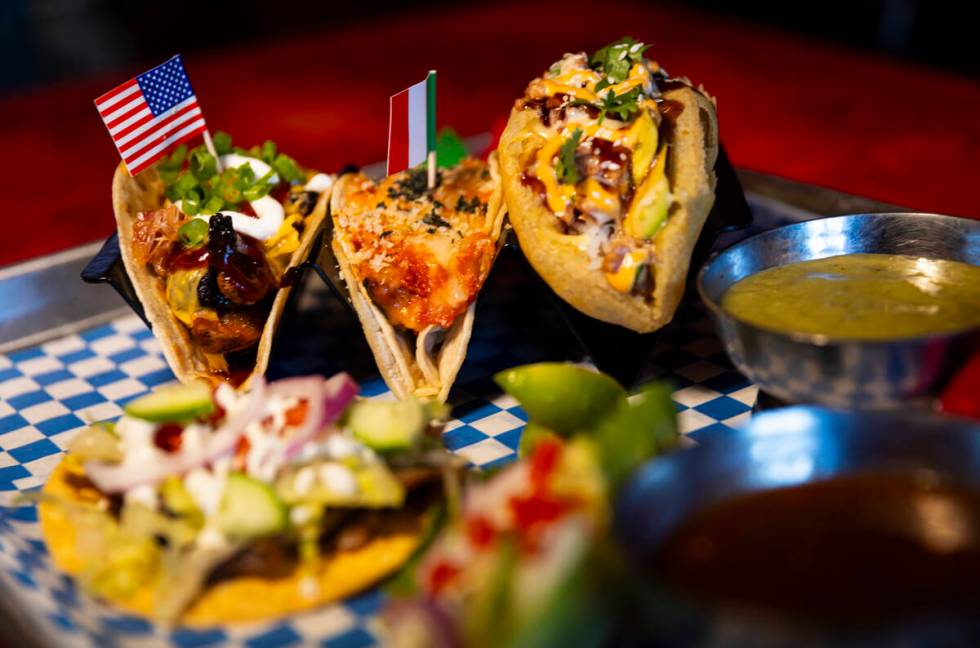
pixel 118 477
pixel 327 401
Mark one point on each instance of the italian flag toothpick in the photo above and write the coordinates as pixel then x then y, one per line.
pixel 412 127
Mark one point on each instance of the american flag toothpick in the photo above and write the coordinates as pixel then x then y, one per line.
pixel 151 114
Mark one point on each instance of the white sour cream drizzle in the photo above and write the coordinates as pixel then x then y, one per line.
pixel 270 213
pixel 269 210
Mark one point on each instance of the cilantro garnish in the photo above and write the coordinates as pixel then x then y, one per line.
pixel 450 149
pixel 623 106
pixel 616 59
pixel 566 168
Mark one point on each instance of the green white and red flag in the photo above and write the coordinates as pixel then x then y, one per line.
pixel 412 126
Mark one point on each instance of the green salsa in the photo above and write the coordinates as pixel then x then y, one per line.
pixel 861 296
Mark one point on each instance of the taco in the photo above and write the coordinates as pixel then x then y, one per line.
pixel 414 260
pixel 607 167
pixel 209 245
pixel 206 506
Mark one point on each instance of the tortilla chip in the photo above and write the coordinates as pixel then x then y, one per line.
pixel 145 192
pixel 566 267
pixel 335 576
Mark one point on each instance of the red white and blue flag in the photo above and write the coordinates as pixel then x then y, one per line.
pixel 152 114
pixel 412 125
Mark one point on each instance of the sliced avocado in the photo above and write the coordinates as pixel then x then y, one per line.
pixel 173 403
pixel 645 137
pixel 648 212
pixel 250 508
pixel 560 396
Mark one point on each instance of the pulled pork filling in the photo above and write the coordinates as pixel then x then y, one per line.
pixel 220 286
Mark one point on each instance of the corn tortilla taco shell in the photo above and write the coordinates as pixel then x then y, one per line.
pixel 336 575
pixel 145 192
pixel 427 365
pixel 565 267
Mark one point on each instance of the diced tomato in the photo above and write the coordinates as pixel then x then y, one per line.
pixel 480 532
pixel 169 437
pixel 297 414
pixel 536 509
pixel 241 451
pixel 441 576
pixel 217 415
pixel 543 461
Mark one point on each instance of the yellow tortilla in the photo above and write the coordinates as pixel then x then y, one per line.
pixel 336 576
pixel 566 267
pixel 145 192
pixel 412 367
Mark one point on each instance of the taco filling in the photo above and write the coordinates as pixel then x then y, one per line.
pixel 220 244
pixel 213 505
pixel 418 257
pixel 600 157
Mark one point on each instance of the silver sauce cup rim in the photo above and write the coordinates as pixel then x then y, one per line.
pixel 821 339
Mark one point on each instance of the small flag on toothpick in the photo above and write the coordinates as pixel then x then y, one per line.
pixel 412 128
pixel 152 114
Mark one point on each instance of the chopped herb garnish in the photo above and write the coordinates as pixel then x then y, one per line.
pixel 450 149
pixel 380 205
pixel 192 178
pixel 193 233
pixel 616 59
pixel 414 185
pixel 555 69
pixel 386 233
pixel 222 143
pixel 624 106
pixel 432 218
pixel 566 168
pixel 468 206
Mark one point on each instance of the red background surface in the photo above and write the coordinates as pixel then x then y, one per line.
pixel 789 106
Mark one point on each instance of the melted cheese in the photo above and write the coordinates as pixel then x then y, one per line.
pixel 622 279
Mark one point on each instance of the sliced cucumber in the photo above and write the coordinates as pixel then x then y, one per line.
pixel 250 508
pixel 173 403
pixel 387 425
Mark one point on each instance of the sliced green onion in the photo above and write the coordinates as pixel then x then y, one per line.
pixel 245 177
pixel 222 142
pixel 192 200
pixel 193 233
pixel 256 191
pixel 173 161
pixel 203 165
pixel 213 205
pixel 268 151
pixel 287 168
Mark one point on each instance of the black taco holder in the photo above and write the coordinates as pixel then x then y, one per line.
pixel 618 351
